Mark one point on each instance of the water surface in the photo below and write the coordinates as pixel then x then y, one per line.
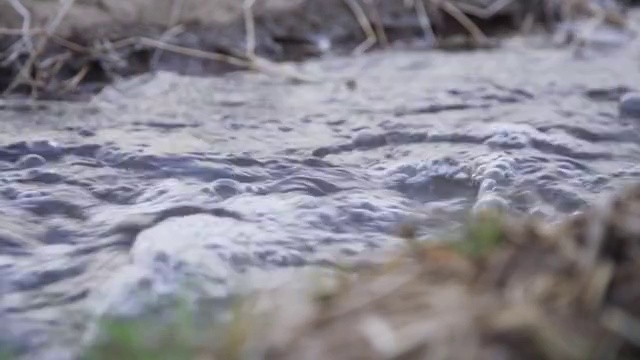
pixel 166 178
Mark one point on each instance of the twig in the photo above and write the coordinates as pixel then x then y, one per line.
pixel 475 32
pixel 39 32
pixel 484 13
pixel 423 19
pixel 75 80
pixel 527 24
pixel 249 28
pixel 384 288
pixel 622 323
pixel 365 24
pixel 6 60
pixel 252 62
pixel 70 45
pixel 377 23
pixel 172 32
pixel 176 11
pixel 55 63
pixel 15 50
pixel 183 50
pixel 255 63
pixel 26 22
pixel 51 27
pixel 5 31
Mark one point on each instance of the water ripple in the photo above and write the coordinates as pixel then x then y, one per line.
pixel 197 182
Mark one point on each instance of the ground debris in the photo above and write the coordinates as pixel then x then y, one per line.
pixel 538 291
pixel 76 57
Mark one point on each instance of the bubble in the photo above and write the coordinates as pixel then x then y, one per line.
pixel 487 185
pixel 629 105
pixel 368 139
pixel 46 148
pixel 490 202
pixel 226 188
pixel 30 161
pixel 495 174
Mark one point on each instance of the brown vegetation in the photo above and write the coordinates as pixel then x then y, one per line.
pixel 79 46
pixel 508 289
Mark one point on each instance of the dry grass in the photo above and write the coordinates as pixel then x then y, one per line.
pixel 508 288
pixel 39 71
pixel 39 68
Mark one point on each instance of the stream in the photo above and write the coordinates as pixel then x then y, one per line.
pixel 163 178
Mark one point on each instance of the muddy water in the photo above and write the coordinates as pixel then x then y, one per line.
pixel 163 179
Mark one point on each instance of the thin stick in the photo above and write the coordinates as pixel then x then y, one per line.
pixel 176 11
pixel 484 13
pixel 423 19
pixel 26 22
pixel 184 51
pixel 172 32
pixel 365 24
pixel 15 49
pixel 70 45
pixel 57 62
pixel 527 24
pixel 5 31
pixel 75 80
pixel 377 23
pixel 464 20
pixel 39 32
pixel 28 66
pixel 383 290
pixel 255 63
pixel 249 28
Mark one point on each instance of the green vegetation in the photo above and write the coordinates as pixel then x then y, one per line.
pixel 481 236
pixel 186 335
pixel 140 341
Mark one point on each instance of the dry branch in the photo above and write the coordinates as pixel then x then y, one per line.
pixel 423 19
pixel 23 73
pixel 377 23
pixel 365 24
pixel 26 22
pixel 250 27
pixel 473 29
pixel 40 68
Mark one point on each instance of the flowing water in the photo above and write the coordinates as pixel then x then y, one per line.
pixel 166 178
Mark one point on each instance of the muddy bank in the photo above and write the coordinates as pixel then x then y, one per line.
pixel 98 42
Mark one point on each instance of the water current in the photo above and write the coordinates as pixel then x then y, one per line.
pixel 164 177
